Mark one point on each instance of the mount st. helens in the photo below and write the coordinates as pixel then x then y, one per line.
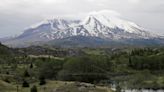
pixel 97 27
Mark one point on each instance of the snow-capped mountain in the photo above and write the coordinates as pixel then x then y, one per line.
pixel 97 24
pixel 46 29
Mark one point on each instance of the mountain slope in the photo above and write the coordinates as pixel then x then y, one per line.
pixel 44 31
pixel 113 27
pixel 96 25
pixel 93 42
pixel 6 51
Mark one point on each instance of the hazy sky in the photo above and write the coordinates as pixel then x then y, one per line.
pixel 15 15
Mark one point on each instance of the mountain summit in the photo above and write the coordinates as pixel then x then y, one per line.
pixel 97 24
pixel 112 27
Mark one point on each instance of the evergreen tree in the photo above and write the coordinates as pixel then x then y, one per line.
pixel 34 89
pixel 42 80
pixel 31 65
pixel 118 88
pixel 26 74
pixel 130 62
pixel 25 83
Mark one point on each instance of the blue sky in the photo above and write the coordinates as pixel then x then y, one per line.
pixel 16 15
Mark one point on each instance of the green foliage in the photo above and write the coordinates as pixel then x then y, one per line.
pixel 6 80
pixel 147 62
pixel 86 68
pixel 42 80
pixel 144 52
pixel 118 88
pixel 26 74
pixel 4 50
pixel 49 68
pixel 136 68
pixel 34 89
pixel 31 65
pixel 25 83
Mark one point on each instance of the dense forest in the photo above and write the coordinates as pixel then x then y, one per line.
pixel 124 67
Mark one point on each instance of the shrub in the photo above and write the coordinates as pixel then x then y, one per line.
pixel 42 80
pixel 26 74
pixel 34 89
pixel 25 84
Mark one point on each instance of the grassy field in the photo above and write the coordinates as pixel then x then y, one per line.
pixel 55 86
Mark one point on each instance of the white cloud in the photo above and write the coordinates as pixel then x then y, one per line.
pixel 53 1
pixel 134 1
pixel 110 13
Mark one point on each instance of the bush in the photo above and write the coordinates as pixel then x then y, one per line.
pixel 42 80
pixel 26 74
pixel 50 68
pixel 118 88
pixel 86 69
pixel 31 65
pixel 25 84
pixel 6 80
pixel 34 89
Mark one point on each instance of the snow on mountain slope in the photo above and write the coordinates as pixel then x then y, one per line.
pixel 47 28
pixel 104 24
pixel 97 24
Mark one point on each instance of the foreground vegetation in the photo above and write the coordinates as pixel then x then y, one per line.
pixel 54 86
pixel 47 69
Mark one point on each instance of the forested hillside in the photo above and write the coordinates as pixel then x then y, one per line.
pixel 124 67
